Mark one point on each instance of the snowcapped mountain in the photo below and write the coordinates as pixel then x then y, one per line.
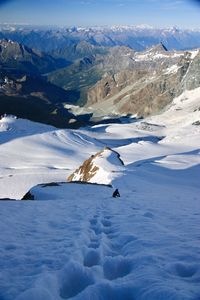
pixel 137 37
pixel 75 241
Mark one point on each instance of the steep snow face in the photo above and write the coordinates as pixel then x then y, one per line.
pixel 83 244
pixel 100 168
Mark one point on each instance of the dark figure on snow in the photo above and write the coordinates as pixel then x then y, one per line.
pixel 116 193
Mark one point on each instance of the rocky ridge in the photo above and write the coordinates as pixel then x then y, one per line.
pixel 99 168
pixel 14 55
pixel 154 79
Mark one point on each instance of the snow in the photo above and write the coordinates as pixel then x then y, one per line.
pixel 88 246
pixel 33 153
pixel 101 168
pixel 75 241
pixel 171 70
pixel 156 55
pixel 194 53
pixel 109 167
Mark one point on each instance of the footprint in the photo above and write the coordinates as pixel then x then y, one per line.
pixel 107 291
pixel 10 247
pixel 108 217
pixel 135 208
pixel 116 267
pixel 148 215
pixel 95 239
pixel 94 245
pixel 184 270
pixel 123 241
pixel 93 221
pixel 108 230
pixel 91 258
pixel 113 235
pixel 74 279
pixel 97 229
pixel 106 223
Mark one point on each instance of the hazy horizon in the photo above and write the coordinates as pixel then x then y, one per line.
pixel 57 26
pixel 91 13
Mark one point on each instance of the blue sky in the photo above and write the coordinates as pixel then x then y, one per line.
pixel 165 13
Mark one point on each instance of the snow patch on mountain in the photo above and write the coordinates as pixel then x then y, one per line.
pixel 194 53
pixel 172 70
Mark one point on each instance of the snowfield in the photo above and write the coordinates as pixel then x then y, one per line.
pixel 74 241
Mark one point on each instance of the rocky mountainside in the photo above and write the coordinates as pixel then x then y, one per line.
pixel 155 78
pixel 122 81
pixel 78 50
pixel 85 72
pixel 14 55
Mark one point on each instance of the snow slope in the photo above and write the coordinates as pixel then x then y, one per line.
pixel 75 241
pixel 30 155
pixel 85 245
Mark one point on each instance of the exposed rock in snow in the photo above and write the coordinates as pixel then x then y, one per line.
pixel 99 168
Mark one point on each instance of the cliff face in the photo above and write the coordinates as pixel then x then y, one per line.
pixel 155 78
pixel 192 78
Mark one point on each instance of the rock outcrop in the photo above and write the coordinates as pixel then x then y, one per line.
pixel 100 168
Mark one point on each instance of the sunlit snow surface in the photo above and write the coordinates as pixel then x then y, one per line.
pixel 77 242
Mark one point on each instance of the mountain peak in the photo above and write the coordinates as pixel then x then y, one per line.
pixel 158 48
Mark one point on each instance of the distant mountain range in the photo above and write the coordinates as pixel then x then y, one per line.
pixel 98 68
pixel 16 56
pixel 137 37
